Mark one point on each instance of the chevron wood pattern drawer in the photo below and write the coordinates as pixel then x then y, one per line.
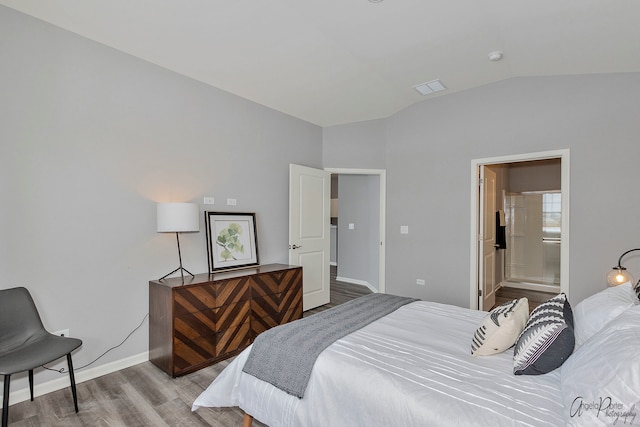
pixel 276 282
pixel 191 355
pixel 211 317
pixel 202 323
pixel 193 299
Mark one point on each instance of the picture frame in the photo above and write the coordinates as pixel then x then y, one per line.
pixel 232 240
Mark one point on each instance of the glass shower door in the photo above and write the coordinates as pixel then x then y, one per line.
pixel 533 237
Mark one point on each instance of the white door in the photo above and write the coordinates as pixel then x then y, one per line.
pixel 309 239
pixel 487 239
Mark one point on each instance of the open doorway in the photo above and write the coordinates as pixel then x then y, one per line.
pixel 520 230
pixel 358 226
pixel 309 231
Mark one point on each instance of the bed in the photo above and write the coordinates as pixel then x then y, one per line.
pixel 413 367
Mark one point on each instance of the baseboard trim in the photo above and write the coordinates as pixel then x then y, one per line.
pixel 358 282
pixel 532 286
pixel 22 394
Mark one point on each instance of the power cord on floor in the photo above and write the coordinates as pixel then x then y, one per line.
pixel 63 370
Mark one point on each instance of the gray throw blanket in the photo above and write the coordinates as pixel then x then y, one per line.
pixel 284 356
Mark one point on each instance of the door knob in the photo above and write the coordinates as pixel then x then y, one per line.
pixel 294 246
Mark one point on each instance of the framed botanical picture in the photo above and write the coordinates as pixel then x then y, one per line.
pixel 232 240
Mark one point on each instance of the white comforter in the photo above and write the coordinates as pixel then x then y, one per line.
pixel 410 368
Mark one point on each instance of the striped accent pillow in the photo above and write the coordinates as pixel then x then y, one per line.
pixel 547 340
pixel 499 330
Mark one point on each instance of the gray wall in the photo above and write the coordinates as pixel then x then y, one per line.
pixel 90 140
pixel 429 149
pixel 362 144
pixel 540 175
pixel 359 204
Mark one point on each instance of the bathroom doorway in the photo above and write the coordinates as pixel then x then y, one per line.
pixel 531 226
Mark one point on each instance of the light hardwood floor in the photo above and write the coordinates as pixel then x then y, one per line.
pixel 535 297
pixel 143 395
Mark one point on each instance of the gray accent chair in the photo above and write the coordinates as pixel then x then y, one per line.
pixel 25 344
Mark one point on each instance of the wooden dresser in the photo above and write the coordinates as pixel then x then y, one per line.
pixel 215 316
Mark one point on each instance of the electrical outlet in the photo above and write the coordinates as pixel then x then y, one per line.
pixel 420 282
pixel 209 201
pixel 62 333
pixel 231 202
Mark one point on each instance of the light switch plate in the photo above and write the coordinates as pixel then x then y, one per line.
pixel 404 229
pixel 209 201
pixel 352 226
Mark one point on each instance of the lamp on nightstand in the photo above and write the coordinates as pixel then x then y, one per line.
pixel 619 275
pixel 178 218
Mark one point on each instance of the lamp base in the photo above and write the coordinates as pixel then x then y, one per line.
pixel 182 271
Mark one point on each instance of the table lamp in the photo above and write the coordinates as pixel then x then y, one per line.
pixel 178 218
pixel 619 275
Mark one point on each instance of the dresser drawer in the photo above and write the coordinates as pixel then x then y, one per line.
pixel 290 298
pixel 189 354
pixel 206 322
pixel 193 354
pixel 261 324
pixel 291 281
pixel 192 299
pixel 291 315
pixel 266 306
pixel 276 282
pixel 276 303
pixel 271 310
pixel 233 339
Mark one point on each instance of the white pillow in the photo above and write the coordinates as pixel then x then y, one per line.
pixel 601 380
pixel 594 312
pixel 499 330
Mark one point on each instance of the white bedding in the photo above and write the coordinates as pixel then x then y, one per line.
pixel 413 367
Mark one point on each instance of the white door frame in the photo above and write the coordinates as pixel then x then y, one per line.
pixel 382 173
pixel 563 155
pixel 486 240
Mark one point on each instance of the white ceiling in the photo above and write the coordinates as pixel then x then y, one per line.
pixel 339 61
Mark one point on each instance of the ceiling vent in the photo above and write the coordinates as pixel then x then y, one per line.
pixel 430 87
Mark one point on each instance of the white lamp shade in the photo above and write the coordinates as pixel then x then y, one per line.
pixel 178 217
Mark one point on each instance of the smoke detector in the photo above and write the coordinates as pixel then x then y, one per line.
pixel 495 56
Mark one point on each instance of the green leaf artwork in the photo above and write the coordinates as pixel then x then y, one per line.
pixel 229 241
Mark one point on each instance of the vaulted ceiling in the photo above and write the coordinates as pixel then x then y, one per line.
pixel 340 61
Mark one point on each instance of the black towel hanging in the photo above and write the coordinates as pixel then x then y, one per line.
pixel 501 233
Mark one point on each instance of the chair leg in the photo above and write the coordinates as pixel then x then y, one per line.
pixel 5 401
pixel 73 382
pixel 31 383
